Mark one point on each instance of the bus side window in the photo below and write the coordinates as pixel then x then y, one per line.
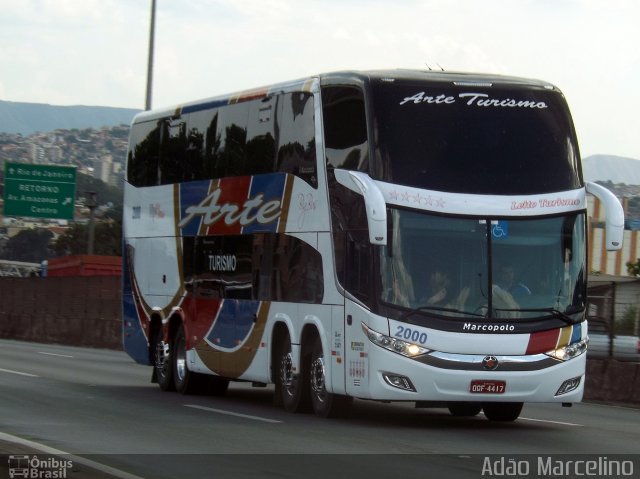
pixel 262 129
pixel 345 128
pixel 236 274
pixel 193 168
pixel 232 135
pixel 297 147
pixel 173 147
pixel 203 145
pixel 144 154
pixel 297 274
pixel 358 272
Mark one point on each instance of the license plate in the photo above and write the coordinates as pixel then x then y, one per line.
pixel 487 386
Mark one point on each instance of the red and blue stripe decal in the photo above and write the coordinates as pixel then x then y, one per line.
pixel 229 347
pixel 233 324
pixel 545 341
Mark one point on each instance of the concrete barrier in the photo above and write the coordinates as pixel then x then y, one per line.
pixel 78 311
pixel 609 380
pixel 86 311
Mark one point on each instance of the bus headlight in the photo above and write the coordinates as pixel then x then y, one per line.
pixel 393 344
pixel 569 351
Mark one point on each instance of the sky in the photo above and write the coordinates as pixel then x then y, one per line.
pixel 94 52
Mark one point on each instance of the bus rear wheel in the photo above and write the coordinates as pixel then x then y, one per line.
pixel 502 411
pixel 217 386
pixel 324 403
pixel 162 362
pixel 293 387
pixel 186 382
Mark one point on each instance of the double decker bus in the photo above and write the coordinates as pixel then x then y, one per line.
pixel 384 235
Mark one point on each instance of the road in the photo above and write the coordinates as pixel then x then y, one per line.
pixel 99 405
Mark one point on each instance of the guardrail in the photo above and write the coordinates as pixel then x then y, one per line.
pixel 18 269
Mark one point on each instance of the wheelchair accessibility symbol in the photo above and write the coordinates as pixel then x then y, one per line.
pixel 500 230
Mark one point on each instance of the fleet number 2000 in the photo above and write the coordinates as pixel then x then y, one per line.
pixel 412 335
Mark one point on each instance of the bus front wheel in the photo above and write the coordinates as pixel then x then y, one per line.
pixel 464 409
pixel 502 411
pixel 325 404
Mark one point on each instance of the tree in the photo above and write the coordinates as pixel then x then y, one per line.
pixel 31 246
pixel 634 268
pixel 72 241
pixel 106 193
pixel 108 239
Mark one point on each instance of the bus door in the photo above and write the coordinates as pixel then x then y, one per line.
pixel 358 280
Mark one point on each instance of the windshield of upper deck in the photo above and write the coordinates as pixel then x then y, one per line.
pixel 474 139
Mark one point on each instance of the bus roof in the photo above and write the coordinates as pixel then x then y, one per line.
pixel 347 76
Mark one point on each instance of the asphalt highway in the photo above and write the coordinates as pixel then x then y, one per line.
pixel 99 409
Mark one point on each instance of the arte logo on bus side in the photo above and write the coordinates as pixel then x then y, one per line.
pixel 238 205
pixel 254 209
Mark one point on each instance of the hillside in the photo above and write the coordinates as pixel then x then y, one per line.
pixel 616 169
pixel 28 118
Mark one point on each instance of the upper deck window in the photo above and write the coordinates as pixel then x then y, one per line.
pixel 266 135
pixel 479 140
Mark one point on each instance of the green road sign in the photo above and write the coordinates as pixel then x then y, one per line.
pixel 39 191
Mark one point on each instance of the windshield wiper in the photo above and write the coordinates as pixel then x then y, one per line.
pixel 554 312
pixel 437 308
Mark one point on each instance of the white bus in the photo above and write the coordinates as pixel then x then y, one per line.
pixel 384 235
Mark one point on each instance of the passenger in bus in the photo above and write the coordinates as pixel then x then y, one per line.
pixel 507 281
pixel 506 291
pixel 440 293
pixel 438 284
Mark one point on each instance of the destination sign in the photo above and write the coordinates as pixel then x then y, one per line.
pixel 39 191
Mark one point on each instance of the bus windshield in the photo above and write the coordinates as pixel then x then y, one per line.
pixel 474 139
pixel 480 269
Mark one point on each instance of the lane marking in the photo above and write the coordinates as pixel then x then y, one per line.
pixel 29 375
pixel 551 422
pixel 231 413
pixel 98 466
pixel 55 354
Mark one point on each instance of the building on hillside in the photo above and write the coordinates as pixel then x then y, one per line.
pixel 103 168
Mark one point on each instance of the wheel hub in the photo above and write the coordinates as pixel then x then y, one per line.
pixel 181 365
pixel 286 371
pixel 318 378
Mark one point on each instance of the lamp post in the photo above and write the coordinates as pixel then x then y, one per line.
pixel 147 105
pixel 91 202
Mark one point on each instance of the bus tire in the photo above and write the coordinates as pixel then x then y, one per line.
pixel 324 403
pixel 186 382
pixel 502 411
pixel 294 388
pixel 217 386
pixel 464 409
pixel 163 372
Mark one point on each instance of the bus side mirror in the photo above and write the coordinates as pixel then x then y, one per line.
pixel 614 215
pixel 374 203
